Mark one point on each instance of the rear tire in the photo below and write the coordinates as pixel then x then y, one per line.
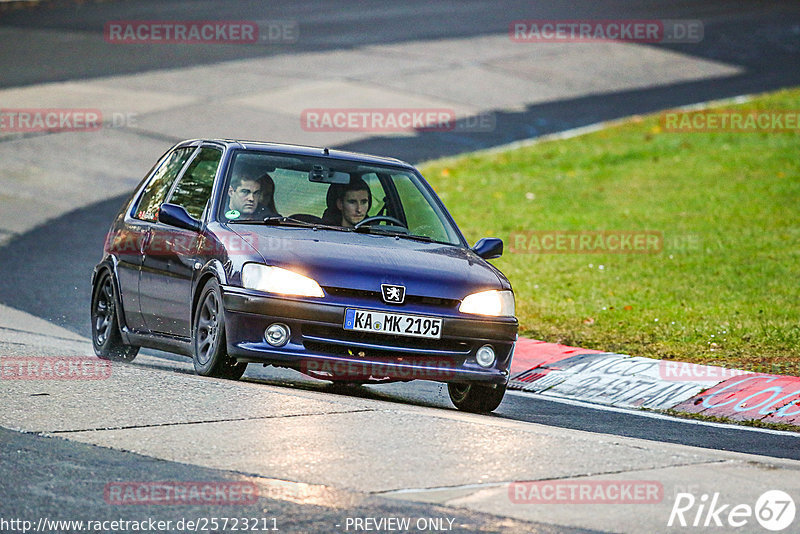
pixel 106 337
pixel 210 345
pixel 476 398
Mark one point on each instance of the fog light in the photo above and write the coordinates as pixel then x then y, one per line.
pixel 485 356
pixel 277 334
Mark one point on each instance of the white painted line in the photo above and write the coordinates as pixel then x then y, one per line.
pixel 652 415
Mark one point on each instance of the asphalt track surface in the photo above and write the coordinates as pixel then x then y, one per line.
pixel 48 276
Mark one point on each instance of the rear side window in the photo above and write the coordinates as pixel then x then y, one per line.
pixel 194 189
pixel 160 184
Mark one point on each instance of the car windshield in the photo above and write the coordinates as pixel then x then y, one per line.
pixel 332 194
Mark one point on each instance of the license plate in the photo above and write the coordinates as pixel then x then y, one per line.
pixel 393 323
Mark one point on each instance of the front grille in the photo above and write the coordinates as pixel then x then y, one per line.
pixel 376 296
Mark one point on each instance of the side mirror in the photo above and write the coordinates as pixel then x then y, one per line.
pixel 177 216
pixel 489 248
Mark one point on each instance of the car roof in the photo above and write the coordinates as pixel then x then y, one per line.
pixel 300 150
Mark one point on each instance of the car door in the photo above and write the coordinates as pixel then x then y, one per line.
pixel 165 287
pixel 129 239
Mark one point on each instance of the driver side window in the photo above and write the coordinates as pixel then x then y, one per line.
pixel 160 184
pixel 194 189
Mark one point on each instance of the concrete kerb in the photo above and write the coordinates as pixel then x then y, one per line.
pixel 634 382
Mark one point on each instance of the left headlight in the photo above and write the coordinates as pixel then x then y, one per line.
pixel 494 302
pixel 277 280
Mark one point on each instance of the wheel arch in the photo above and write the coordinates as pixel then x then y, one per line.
pixel 212 269
pixel 109 265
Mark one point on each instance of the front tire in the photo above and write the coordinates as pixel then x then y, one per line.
pixel 476 398
pixel 210 346
pixel 106 337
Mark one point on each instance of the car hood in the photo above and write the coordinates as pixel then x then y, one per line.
pixel 365 261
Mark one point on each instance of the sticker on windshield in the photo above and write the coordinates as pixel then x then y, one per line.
pixel 232 214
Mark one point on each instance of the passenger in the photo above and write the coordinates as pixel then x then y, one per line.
pixel 251 198
pixel 348 204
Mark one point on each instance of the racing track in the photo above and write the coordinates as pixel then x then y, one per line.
pixel 44 271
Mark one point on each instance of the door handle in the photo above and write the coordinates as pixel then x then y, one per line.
pixel 145 241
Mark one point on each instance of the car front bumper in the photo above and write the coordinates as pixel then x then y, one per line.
pixel 321 347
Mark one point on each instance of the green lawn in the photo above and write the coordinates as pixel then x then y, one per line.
pixel 725 286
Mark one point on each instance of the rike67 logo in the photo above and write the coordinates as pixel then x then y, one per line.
pixel 774 510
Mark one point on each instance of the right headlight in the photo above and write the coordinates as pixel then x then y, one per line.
pixel 281 281
pixel 495 303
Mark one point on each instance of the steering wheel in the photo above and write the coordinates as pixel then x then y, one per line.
pixel 386 218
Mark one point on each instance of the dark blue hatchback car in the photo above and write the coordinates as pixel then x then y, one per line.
pixel 343 266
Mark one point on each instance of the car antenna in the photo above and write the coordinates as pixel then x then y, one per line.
pixel 326 151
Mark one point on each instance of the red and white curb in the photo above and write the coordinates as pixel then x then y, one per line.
pixel 634 382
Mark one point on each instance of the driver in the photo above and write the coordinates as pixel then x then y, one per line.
pixel 251 198
pixel 353 201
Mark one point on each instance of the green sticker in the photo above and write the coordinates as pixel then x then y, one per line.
pixel 232 214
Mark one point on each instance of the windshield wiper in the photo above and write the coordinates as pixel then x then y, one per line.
pixel 275 221
pixel 288 221
pixel 285 221
pixel 377 230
